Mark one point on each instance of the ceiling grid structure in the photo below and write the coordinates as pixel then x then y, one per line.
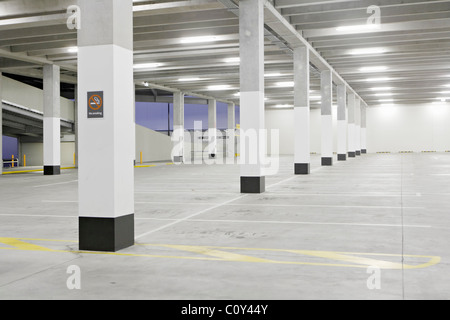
pixel 193 46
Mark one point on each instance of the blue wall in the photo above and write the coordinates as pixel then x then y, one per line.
pixel 10 147
pixel 159 116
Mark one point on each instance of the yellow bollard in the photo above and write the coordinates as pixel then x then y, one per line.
pixel 141 157
pixel 24 160
pixel 12 161
pixel 74 159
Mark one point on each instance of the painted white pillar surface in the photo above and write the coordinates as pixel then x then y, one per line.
pixel 252 136
pixel 106 125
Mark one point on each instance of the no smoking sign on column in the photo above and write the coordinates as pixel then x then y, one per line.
pixel 95 104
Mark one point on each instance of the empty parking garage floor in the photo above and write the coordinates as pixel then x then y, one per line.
pixel 374 227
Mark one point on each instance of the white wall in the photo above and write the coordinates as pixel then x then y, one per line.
pixel 421 127
pixel 33 98
pixel 34 154
pixel 283 120
pixel 155 146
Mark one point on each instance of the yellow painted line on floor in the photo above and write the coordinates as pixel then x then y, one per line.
pixel 34 170
pixel 146 166
pixel 212 253
pixel 218 254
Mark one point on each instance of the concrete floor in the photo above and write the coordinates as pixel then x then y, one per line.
pixel 197 237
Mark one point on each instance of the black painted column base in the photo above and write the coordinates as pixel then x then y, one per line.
pixel 363 151
pixel 342 157
pixel 327 161
pixel 358 152
pixel 52 170
pixel 253 184
pixel 106 234
pixel 178 159
pixel 301 168
pixel 351 154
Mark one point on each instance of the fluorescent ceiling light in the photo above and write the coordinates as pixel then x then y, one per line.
pixel 381 89
pixel 269 75
pixel 386 94
pixel 72 50
pixel 146 83
pixel 378 79
pixel 315 97
pixel 373 69
pixel 199 39
pixel 447 85
pixel 147 65
pixel 361 28
pixel 237 94
pixel 386 100
pixel 219 87
pixel 445 92
pixel 280 106
pixel 232 60
pixel 368 51
pixel 285 84
pixel 188 79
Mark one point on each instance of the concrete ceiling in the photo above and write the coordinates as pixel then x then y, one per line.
pixel 413 38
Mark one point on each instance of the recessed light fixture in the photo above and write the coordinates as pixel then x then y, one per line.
pixel 378 79
pixel 199 39
pixel 367 51
pixel 147 65
pixel 373 69
pixel 72 50
pixel 271 75
pixel 285 84
pixel 219 87
pixel 188 79
pixel 361 28
pixel 146 83
pixel 381 89
pixel 282 106
pixel 232 60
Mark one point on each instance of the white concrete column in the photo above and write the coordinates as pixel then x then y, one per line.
pixel 76 125
pixel 327 119
pixel 363 129
pixel 342 123
pixel 106 125
pixel 252 137
pixel 351 126
pixel 52 120
pixel 178 127
pixel 357 126
pixel 212 128
pixel 302 149
pixel 1 126
pixel 231 129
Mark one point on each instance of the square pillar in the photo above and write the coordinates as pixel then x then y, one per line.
pixel 106 125
pixel 302 149
pixel 52 120
pixel 231 129
pixel 351 126
pixel 363 129
pixel 342 123
pixel 252 137
pixel 327 119
pixel 212 128
pixel 178 127
pixel 357 126
pixel 1 126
